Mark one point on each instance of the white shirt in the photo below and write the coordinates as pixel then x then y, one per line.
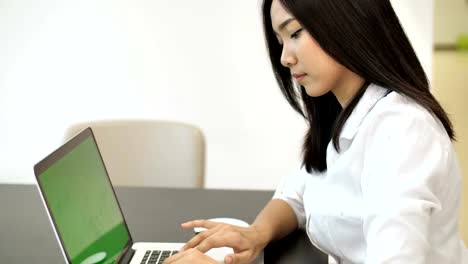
pixel 392 194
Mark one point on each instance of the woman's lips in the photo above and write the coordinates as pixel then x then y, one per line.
pixel 299 77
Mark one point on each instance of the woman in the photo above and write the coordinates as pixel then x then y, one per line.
pixel 379 181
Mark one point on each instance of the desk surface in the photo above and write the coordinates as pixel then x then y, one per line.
pixel 152 215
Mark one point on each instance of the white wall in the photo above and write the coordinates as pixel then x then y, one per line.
pixel 201 62
pixel 417 18
pixel 450 20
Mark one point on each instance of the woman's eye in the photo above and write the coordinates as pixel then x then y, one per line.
pixel 296 34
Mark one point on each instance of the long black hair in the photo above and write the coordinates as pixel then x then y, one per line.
pixel 366 37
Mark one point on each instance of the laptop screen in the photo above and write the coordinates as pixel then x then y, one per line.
pixel 83 205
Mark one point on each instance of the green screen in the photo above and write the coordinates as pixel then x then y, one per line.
pixel 82 203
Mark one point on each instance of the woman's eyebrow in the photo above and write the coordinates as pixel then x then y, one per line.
pixel 285 23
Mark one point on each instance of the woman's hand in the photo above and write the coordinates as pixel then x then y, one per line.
pixel 190 256
pixel 247 242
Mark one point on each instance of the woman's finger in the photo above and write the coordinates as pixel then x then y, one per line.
pixel 226 237
pixel 191 256
pixel 199 223
pixel 177 256
pixel 239 257
pixel 196 240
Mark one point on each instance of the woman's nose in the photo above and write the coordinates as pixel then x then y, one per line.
pixel 288 58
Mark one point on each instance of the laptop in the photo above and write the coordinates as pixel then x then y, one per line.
pixel 84 211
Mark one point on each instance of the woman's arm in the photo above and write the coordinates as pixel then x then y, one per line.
pixel 276 220
pixel 405 181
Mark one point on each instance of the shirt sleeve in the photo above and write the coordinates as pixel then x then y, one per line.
pixel 405 162
pixel 291 190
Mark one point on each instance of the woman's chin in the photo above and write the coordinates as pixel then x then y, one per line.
pixel 314 91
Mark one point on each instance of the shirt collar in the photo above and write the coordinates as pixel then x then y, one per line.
pixel 368 100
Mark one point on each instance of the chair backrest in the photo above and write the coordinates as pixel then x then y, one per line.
pixel 149 152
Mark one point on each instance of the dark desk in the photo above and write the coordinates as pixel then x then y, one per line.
pixel 152 214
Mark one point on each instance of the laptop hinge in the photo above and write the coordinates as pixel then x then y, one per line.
pixel 126 257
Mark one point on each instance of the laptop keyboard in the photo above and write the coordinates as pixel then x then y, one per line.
pixel 157 256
